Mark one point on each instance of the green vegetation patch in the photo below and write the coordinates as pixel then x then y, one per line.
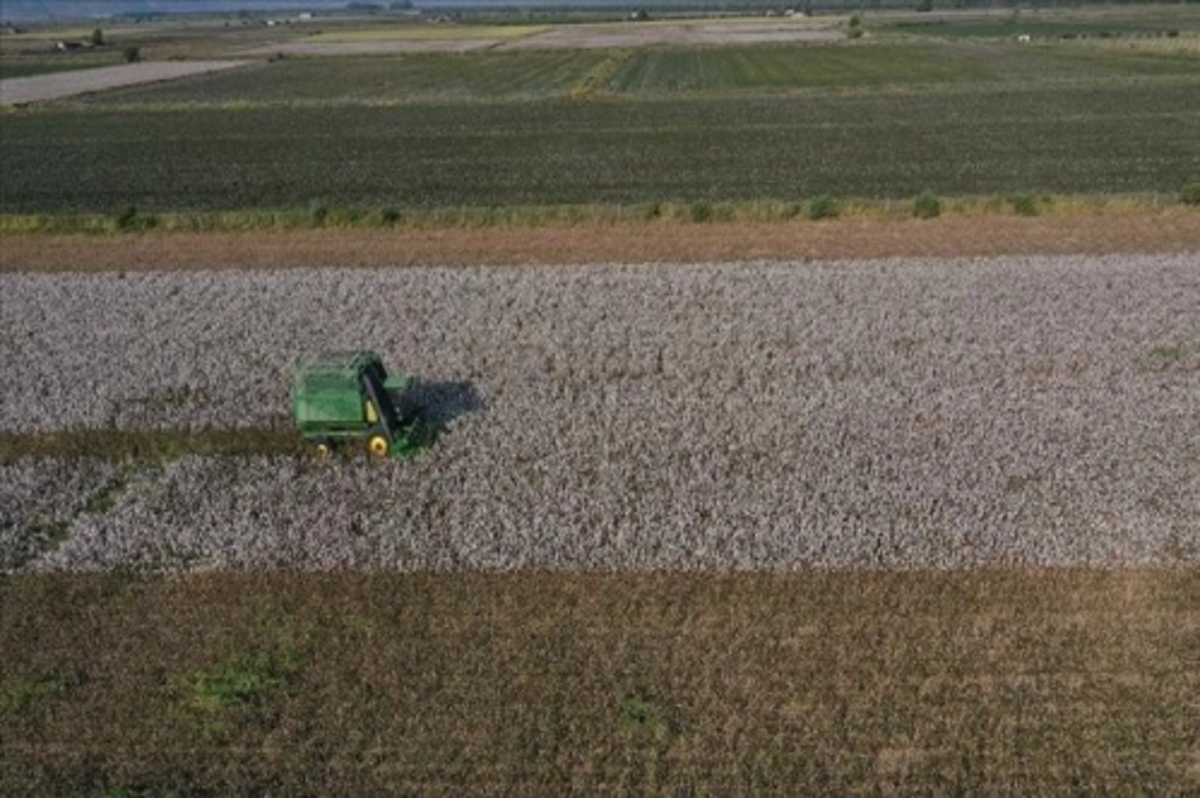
pixel 25 67
pixel 27 690
pixel 238 691
pixel 927 206
pixel 1169 353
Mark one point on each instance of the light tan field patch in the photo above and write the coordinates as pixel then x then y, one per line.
pixel 643 35
pixel 55 86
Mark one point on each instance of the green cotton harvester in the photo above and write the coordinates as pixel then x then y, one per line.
pixel 344 399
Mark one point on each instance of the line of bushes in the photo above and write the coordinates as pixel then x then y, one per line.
pixel 324 215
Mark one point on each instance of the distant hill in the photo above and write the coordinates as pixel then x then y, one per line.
pixel 31 10
pixel 49 10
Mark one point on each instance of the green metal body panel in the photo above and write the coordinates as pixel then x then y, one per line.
pixel 345 396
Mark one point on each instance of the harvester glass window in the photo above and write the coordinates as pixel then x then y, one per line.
pixel 372 413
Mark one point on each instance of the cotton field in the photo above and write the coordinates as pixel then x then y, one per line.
pixel 884 414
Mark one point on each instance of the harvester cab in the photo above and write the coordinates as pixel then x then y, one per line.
pixel 347 398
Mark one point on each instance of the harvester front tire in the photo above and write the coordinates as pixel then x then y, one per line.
pixel 378 446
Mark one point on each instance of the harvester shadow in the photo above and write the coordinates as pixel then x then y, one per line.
pixel 438 404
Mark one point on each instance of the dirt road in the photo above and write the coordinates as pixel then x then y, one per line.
pixel 1166 231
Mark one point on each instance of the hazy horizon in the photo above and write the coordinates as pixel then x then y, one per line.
pixel 13 10
pixel 36 10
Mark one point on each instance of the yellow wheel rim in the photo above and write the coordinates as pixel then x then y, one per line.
pixel 378 446
pixel 323 451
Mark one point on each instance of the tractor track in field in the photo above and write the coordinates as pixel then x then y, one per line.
pixel 151 444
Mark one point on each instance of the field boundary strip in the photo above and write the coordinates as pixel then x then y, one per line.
pixel 1164 231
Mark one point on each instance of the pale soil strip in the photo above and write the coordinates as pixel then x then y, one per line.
pixel 66 84
pixel 378 47
pixel 646 35
pixel 573 37
pixel 1167 231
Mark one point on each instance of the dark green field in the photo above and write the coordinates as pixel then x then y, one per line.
pixel 918 67
pixel 653 72
pixel 882 119
pixel 1136 137
pixel 28 67
pixel 959 683
pixel 669 124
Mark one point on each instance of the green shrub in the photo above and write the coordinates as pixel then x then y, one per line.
pixel 129 220
pixel 822 207
pixel 126 218
pixel 318 213
pixel 700 212
pixel 1190 194
pixel 346 217
pixel 131 54
pixel 1024 204
pixel 927 206
pixel 389 216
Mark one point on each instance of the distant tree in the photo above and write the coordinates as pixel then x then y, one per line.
pixel 97 38
pixel 132 54
pixel 925 6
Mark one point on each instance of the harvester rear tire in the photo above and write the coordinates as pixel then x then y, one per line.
pixel 378 446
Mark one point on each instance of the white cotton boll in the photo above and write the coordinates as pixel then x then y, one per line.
pixel 887 414
pixel 40 500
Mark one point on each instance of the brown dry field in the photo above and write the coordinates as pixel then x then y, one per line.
pixel 1167 230
pixel 985 682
